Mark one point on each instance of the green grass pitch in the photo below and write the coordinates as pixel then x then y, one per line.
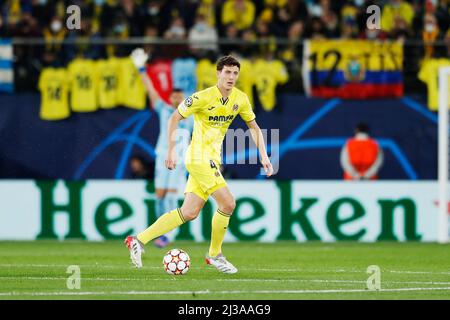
pixel 284 270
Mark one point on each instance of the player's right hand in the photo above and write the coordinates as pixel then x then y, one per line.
pixel 139 57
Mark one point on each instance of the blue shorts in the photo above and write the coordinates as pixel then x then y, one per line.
pixel 169 179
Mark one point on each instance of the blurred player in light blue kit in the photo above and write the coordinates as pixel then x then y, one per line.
pixel 168 183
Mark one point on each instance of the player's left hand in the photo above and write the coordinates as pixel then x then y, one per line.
pixel 267 166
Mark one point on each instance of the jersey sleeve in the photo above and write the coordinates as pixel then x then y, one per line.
pixel 246 111
pixel 191 105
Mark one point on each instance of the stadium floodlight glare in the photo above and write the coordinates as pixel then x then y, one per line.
pixel 443 165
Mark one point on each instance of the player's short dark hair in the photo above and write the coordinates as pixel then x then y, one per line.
pixel 177 90
pixel 362 127
pixel 228 61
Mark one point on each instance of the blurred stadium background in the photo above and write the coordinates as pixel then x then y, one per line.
pixel 74 114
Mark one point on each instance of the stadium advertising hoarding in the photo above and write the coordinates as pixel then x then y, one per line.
pixel 266 211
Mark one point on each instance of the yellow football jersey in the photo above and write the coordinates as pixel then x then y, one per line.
pixel 267 75
pixel 54 94
pixel 83 85
pixel 246 79
pixel 429 73
pixel 206 74
pixel 108 87
pixel 132 92
pixel 212 116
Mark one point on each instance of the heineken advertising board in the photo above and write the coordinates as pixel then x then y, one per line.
pixel 265 211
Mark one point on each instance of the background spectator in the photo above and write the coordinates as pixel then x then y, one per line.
pixel 55 31
pixel 80 42
pixel 231 33
pixel 176 31
pixel 361 156
pixel 140 168
pixel 241 13
pixel 202 31
pixel 396 14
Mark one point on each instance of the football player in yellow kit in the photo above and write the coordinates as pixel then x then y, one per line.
pixel 213 109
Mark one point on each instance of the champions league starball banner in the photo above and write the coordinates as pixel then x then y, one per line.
pixel 353 69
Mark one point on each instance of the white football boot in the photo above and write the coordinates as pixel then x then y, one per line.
pixel 221 264
pixel 136 250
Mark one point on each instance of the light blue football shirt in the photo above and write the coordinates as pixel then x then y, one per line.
pixel 164 112
pixel 183 75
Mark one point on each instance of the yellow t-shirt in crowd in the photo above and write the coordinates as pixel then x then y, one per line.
pixel 108 83
pixel 246 79
pixel 83 85
pixel 429 73
pixel 206 74
pixel 53 86
pixel 132 92
pixel 267 75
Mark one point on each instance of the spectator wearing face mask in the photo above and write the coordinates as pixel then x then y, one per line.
pixel 55 31
pixel 201 31
pixel 176 31
pixel 430 34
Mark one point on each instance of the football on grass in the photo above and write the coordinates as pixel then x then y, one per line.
pixel 176 262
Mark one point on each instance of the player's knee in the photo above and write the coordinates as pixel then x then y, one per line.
pixel 228 206
pixel 190 214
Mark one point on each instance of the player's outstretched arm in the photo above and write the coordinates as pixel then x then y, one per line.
pixel 174 120
pixel 139 58
pixel 260 144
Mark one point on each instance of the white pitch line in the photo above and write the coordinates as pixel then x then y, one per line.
pixel 65 293
pixel 80 265
pixel 221 280
pixel 417 272
pixel 243 269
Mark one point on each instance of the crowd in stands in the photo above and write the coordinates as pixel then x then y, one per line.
pixel 210 20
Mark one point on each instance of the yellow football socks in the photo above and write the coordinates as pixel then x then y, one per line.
pixel 219 228
pixel 164 224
